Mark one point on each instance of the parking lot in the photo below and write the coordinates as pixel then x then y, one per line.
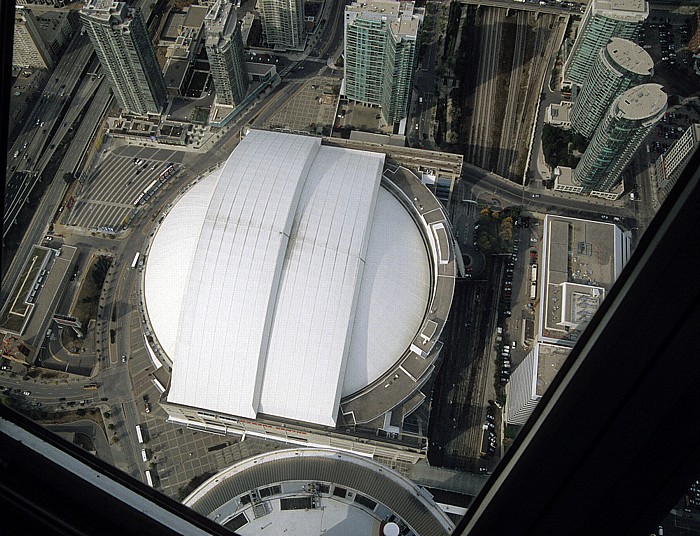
pixel 670 128
pixel 109 192
pixel 310 109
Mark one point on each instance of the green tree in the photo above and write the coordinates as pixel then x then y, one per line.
pixel 68 178
pixel 505 233
pixel 484 243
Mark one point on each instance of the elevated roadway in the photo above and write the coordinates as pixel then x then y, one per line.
pixel 535 7
pixel 25 169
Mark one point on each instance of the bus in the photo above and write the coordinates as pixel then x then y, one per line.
pixel 135 262
pixel 90 386
pixel 139 435
pixel 149 479
pixel 158 385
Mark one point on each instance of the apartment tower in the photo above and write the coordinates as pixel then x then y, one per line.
pixel 283 23
pixel 380 54
pixel 224 46
pixel 619 66
pixel 602 20
pixel 628 121
pixel 124 48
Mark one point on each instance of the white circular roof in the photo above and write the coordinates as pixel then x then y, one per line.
pixel 289 273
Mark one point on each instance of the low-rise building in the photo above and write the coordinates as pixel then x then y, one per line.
pixel 558 115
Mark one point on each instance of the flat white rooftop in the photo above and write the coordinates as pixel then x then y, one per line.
pixel 285 281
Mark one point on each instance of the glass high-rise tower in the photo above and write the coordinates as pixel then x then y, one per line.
pixel 380 54
pixel 283 23
pixel 224 46
pixel 124 47
pixel 620 65
pixel 602 20
pixel 628 121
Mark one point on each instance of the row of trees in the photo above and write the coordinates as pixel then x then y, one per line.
pixel 495 233
pixel 558 146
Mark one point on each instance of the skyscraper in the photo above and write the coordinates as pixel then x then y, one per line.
pixel 670 164
pixel 602 20
pixel 29 49
pixel 619 65
pixel 126 53
pixel 380 54
pixel 224 46
pixel 628 121
pixel 283 23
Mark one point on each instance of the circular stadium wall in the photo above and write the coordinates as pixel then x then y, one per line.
pixel 317 491
pixel 296 269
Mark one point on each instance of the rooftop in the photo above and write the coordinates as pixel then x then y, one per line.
pixel 626 7
pixel 642 102
pixel 221 22
pixel 581 261
pixel 376 492
pixel 550 358
pixel 195 17
pixel 630 56
pixel 289 258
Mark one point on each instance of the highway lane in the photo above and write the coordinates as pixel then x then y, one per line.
pixel 530 5
pixel 54 103
pixel 332 34
pixel 55 97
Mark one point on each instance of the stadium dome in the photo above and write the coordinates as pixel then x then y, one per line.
pixel 290 278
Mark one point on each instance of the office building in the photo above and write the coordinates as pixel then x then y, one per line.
pixel 380 55
pixel 619 65
pixel 283 23
pixel 670 164
pixel 295 304
pixel 225 52
pixel 602 20
pixel 29 49
pixel 628 121
pixel 124 48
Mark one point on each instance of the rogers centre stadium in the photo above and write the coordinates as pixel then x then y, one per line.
pixel 298 294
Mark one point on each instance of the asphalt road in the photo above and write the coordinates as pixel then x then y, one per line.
pixel 32 141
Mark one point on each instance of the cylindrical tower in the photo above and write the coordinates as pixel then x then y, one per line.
pixel 628 121
pixel 602 20
pixel 620 65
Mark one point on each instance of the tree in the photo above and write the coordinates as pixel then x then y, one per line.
pixel 68 178
pixel 505 233
pixel 484 243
